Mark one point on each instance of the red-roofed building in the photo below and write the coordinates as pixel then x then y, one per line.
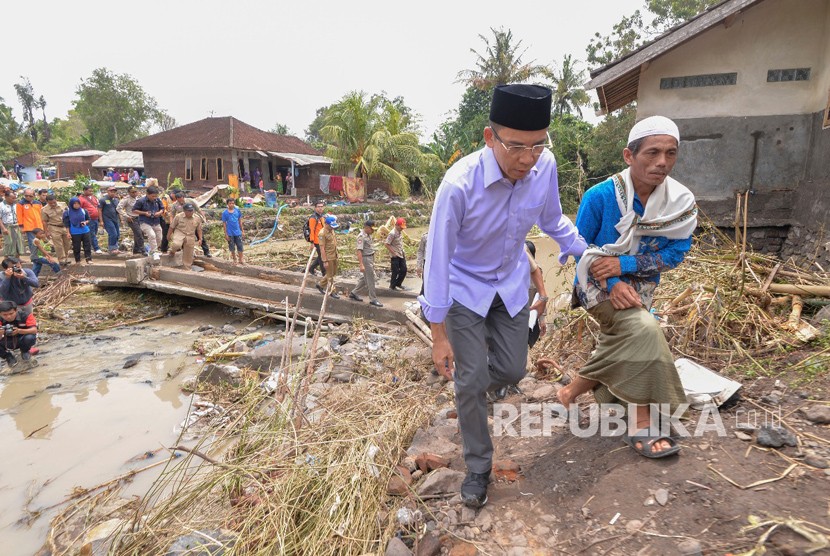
pixel 205 153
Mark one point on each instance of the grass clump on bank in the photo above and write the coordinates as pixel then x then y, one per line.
pixel 283 485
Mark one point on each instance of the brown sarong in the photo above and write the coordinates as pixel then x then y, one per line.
pixel 632 362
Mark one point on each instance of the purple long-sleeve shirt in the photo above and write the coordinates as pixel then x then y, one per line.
pixel 477 233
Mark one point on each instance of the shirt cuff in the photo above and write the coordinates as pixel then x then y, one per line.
pixel 575 249
pixel 611 282
pixel 434 313
pixel 628 264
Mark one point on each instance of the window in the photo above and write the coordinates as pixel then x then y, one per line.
pixel 220 169
pixel 708 80
pixel 271 170
pixel 203 169
pixel 792 74
pixel 188 169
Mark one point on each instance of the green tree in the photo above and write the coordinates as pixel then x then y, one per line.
pixel 364 135
pixel 632 31
pixel 14 141
pixel 500 63
pixel 38 128
pixel 165 121
pixel 464 132
pixel 568 94
pixel 114 108
pixel 280 129
pixel 606 144
pixel 570 136
pixel 312 132
pixel 67 134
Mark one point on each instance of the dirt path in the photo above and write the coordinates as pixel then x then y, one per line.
pixel 572 495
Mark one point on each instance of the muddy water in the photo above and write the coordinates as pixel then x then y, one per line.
pixel 67 423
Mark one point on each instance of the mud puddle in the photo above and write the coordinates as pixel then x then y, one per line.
pixel 94 403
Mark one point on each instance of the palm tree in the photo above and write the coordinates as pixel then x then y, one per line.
pixel 568 94
pixel 501 63
pixel 368 136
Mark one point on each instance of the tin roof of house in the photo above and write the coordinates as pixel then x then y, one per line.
pixel 221 133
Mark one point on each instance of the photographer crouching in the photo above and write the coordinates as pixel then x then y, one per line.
pixel 17 283
pixel 17 331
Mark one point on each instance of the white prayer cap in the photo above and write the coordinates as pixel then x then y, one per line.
pixel 654 125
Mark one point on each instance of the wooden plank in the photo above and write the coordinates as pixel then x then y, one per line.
pixel 771 276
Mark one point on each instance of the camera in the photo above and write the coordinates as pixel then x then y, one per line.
pixel 8 330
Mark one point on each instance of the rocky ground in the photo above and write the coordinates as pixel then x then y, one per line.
pixel 562 494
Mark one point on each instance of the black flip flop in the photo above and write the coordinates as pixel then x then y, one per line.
pixel 647 441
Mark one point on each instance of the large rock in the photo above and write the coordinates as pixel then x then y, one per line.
pixel 214 373
pixel 441 481
pixel 818 414
pixel 267 357
pixel 399 482
pixel 775 437
pixel 396 547
pixel 435 440
pixel 822 315
pixel 429 545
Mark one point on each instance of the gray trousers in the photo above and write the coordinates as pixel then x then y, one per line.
pixel 490 352
pixel 367 280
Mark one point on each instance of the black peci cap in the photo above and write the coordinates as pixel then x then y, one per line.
pixel 522 107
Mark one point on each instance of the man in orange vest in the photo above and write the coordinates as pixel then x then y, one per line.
pixel 29 217
pixel 316 223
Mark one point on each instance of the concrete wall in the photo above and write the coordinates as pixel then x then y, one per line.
pixel 810 234
pixel 776 34
pixel 68 167
pixel 718 156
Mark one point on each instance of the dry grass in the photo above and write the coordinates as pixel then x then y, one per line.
pixel 280 489
pixel 714 308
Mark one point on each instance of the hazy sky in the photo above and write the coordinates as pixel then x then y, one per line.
pixel 268 62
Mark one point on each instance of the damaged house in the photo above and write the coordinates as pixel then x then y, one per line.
pixel 219 150
pixel 748 83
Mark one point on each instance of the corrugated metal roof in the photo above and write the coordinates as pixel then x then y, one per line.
pixel 221 133
pixel 303 159
pixel 90 152
pixel 617 83
pixel 120 159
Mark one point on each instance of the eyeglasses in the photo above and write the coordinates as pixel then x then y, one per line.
pixel 518 150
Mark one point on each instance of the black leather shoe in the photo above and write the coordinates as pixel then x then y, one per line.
pixel 354 296
pixel 375 303
pixel 320 289
pixel 474 489
pixel 334 295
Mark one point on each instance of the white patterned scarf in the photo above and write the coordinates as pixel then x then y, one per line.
pixel 669 212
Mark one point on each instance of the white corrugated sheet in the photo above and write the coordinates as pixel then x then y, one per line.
pixel 78 153
pixel 302 159
pixel 120 159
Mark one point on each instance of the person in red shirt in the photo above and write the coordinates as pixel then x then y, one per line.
pixel 89 202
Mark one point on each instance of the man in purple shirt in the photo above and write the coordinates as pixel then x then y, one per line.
pixel 476 274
